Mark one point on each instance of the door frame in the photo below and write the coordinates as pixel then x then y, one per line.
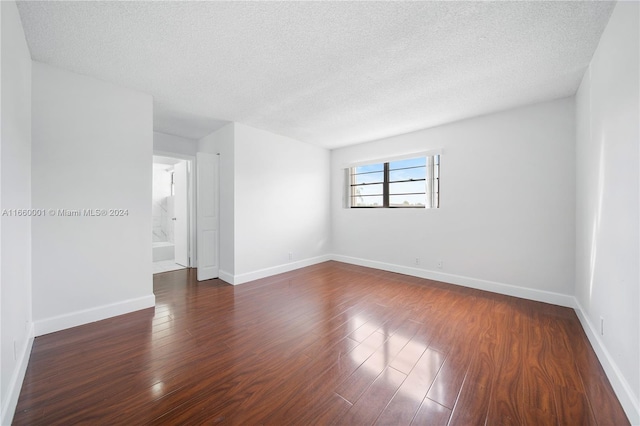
pixel 191 199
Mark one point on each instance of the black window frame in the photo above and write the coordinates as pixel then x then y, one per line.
pixel 431 179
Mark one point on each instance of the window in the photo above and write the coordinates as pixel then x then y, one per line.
pixel 407 183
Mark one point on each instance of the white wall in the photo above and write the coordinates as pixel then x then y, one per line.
pixel 92 149
pixel 506 221
pixel 274 200
pixel 164 143
pixel 607 203
pixel 281 203
pixel 15 193
pixel 222 142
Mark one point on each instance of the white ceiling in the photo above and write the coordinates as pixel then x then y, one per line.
pixel 327 73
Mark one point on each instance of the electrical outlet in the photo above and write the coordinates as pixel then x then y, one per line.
pixel 601 326
pixel 417 260
pixel 290 256
pixel 439 264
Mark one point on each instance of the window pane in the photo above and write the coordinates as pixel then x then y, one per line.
pixel 411 162
pixel 368 168
pixel 365 190
pixel 404 187
pixel 413 182
pixel 418 200
pixel 405 174
pixel 368 177
pixel 373 201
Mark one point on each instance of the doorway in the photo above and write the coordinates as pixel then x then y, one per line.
pixel 172 234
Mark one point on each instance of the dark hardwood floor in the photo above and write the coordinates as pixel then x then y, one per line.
pixel 328 344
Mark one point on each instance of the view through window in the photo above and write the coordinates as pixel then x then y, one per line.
pixel 412 182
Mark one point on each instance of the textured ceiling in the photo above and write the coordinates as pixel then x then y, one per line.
pixel 327 73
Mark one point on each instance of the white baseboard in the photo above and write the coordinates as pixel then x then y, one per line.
pixel 619 384
pixel 15 385
pixel 225 276
pixel 492 286
pixel 274 270
pixel 86 316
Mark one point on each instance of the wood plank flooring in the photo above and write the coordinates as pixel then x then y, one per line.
pixel 328 344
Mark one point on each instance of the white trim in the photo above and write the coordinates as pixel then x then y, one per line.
pixel 15 384
pixel 86 316
pixel 492 286
pixel 225 276
pixel 393 158
pixel 160 153
pixel 621 387
pixel 273 270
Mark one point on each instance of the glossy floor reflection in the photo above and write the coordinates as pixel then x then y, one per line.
pixel 328 344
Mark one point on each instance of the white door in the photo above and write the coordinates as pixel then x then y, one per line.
pixel 181 213
pixel 207 215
